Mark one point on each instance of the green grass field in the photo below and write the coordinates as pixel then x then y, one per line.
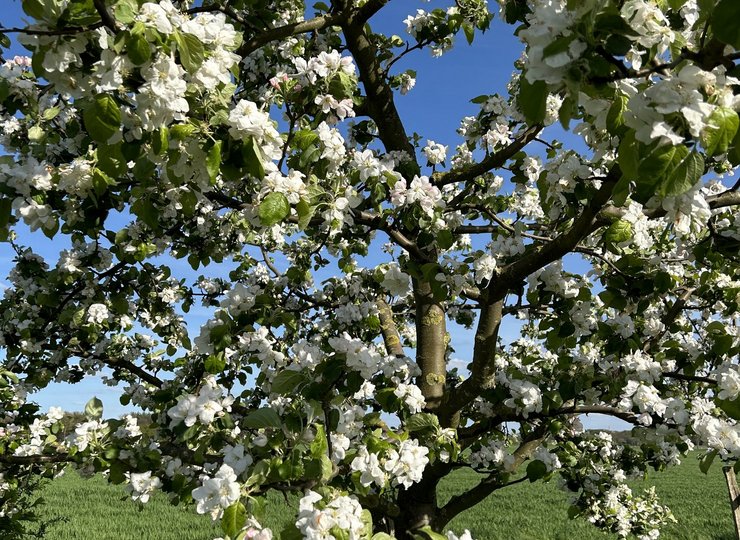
pixel 93 510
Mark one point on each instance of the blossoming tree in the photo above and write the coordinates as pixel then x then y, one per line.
pixel 263 136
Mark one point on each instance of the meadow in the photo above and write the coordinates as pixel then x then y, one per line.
pixel 94 510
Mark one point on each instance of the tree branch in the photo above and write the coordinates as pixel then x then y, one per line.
pixel 59 32
pixel 283 32
pixel 105 16
pixel 488 485
pixel 431 343
pixel 35 460
pixel 388 328
pixel 368 9
pixel 491 161
pixel 135 370
pixel 380 103
pixel 560 246
pixel 482 368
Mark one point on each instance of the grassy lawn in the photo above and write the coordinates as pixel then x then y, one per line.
pixel 92 509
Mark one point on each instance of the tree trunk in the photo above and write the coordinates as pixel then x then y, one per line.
pixel 418 506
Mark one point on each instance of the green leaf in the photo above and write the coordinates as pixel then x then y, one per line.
pixel 319 445
pixel 50 113
pixel 138 50
pixel 125 11
pixel 342 86
pixel 618 232
pixel 305 213
pixel 180 132
pixel 725 22
pixel 658 169
pixel 94 409
pixel 426 533
pixel 146 212
pixel 681 178
pixel 213 161
pixel 615 116
pixel 252 156
pixel 421 421
pixel 215 364
pixel 111 160
pixel 568 110
pixel 287 380
pixel 263 418
pixel 628 156
pixel 532 99
pixel 706 461
pixel 731 408
pixel 469 32
pixel 191 51
pixel 234 519
pixel 445 239
pixel 34 8
pixel 719 131
pixel 102 118
pixel 382 536
pixel 160 140
pixel 273 209
pixel 536 470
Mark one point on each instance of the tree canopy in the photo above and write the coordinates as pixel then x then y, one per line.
pixel 262 136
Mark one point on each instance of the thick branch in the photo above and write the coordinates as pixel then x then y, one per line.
pixel 491 161
pixel 283 32
pixel 376 222
pixel 135 370
pixel 488 485
pixel 105 15
pixel 388 328
pixel 431 344
pixel 368 9
pixel 544 254
pixel 34 460
pixel 482 369
pixel 381 106
pixel 57 32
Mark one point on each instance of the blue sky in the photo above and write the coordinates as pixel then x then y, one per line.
pixel 434 108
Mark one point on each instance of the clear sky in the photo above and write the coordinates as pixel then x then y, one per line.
pixel 434 108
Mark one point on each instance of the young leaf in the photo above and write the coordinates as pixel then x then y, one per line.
pixel 94 409
pixel 706 461
pixel 286 381
pixel 536 470
pixel 532 99
pixel 191 51
pixel 273 209
pixel 720 130
pixel 263 418
pixel 213 161
pixel 725 22
pixel 138 50
pixel 125 11
pixel 683 176
pixel 234 519
pixel 102 118
pixel 421 421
